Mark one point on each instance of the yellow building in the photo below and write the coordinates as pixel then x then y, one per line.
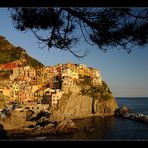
pixel 6 91
pixel 38 94
pixel 15 91
pixel 82 69
pixel 56 97
pixel 70 73
pixel 69 85
pixel 96 73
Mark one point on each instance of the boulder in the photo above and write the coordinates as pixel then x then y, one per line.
pixel 30 124
pixel 122 111
pixel 49 126
pixel 43 121
pixel 29 114
pixel 16 118
pixel 65 127
pixel 38 131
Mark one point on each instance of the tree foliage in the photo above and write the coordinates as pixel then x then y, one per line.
pixel 9 55
pixel 100 91
pixel 64 28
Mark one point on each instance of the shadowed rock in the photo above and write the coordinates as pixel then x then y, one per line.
pixel 126 113
pixel 3 133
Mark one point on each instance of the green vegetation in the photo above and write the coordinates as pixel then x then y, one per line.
pixel 4 43
pixel 34 63
pixel 105 91
pixel 9 53
pixel 86 80
pixel 94 91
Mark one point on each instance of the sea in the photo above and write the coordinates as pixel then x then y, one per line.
pixel 110 128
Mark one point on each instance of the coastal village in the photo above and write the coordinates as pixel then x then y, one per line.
pixel 41 88
pixel 38 100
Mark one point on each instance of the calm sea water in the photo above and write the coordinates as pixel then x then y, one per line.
pixel 111 128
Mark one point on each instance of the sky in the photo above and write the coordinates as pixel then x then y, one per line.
pixel 125 74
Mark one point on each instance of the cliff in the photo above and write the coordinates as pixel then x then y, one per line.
pixel 87 100
pixel 75 105
pixel 78 106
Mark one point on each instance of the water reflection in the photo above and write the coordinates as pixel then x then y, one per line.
pixel 107 128
pixel 102 127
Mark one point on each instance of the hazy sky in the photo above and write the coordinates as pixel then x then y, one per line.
pixel 125 74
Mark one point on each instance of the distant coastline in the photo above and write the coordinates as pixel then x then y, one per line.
pixel 130 97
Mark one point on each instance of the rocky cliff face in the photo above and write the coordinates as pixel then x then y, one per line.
pixel 78 106
pixel 104 107
pixel 88 101
pixel 75 105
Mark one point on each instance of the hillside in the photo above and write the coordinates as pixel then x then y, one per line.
pixel 10 53
pixel 11 57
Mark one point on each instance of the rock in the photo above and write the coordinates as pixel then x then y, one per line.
pixel 29 114
pixel 30 124
pixel 57 116
pixel 38 131
pixel 65 127
pixel 123 111
pixel 43 121
pixel 19 132
pixel 2 103
pixel 70 127
pixel 49 126
pixel 3 133
pixel 105 107
pixel 60 126
pixel 75 106
pixel 36 117
pixel 16 118
pixel 49 129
